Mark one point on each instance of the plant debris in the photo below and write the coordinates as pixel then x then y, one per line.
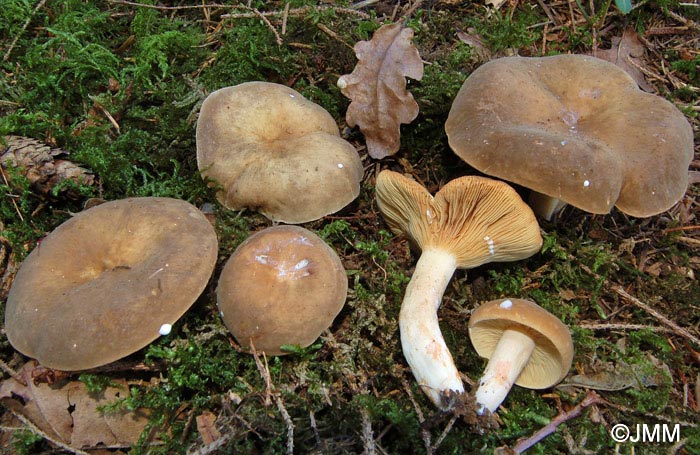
pixel 377 88
pixel 70 413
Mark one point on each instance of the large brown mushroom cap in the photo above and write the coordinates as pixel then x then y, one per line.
pixel 282 285
pixel 102 284
pixel 274 151
pixel 554 350
pixel 575 128
pixel 477 219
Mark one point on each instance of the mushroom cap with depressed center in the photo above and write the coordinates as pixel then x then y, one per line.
pixel 282 286
pixel 554 350
pixel 477 219
pixel 575 128
pixel 272 150
pixel 103 284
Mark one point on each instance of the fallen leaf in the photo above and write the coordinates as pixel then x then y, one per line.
pixel 69 413
pixel 206 425
pixel 622 376
pixel 474 41
pixel 377 88
pixel 626 52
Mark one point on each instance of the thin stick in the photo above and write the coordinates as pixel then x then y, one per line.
pixel 22 30
pixel 6 368
pixel 524 444
pixel 367 433
pixel 288 421
pixel 444 434
pixel 14 203
pixel 625 327
pixel 678 330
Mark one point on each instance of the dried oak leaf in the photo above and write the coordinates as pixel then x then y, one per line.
pixel 68 412
pixel 377 88
pixel 627 52
pixel 40 164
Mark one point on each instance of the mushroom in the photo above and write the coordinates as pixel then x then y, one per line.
pixel 282 286
pixel 272 150
pixel 108 281
pixel 574 129
pixel 526 345
pixel 470 221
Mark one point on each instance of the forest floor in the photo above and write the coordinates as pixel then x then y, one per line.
pixel 117 85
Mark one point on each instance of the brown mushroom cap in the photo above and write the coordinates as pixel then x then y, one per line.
pixel 554 350
pixel 101 285
pixel 282 285
pixel 575 128
pixel 477 219
pixel 274 151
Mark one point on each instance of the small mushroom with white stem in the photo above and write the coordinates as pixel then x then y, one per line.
pixel 470 221
pixel 282 286
pixel 525 344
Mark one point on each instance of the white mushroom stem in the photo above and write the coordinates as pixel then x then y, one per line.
pixel 545 206
pixel 510 356
pixel 422 342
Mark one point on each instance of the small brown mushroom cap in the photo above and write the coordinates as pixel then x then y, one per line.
pixel 554 350
pixel 575 128
pixel 477 219
pixel 282 286
pixel 272 150
pixel 102 284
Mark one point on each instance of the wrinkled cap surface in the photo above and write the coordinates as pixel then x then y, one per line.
pixel 282 286
pixel 554 350
pixel 101 285
pixel 575 128
pixel 272 150
pixel 477 219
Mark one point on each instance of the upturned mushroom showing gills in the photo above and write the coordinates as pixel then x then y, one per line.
pixel 575 130
pixel 270 149
pixel 109 281
pixel 282 286
pixel 470 221
pixel 525 344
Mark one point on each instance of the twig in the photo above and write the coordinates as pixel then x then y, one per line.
pixel 6 368
pixel 524 444
pixel 367 433
pixel 675 328
pixel 624 327
pixel 421 419
pixel 678 330
pixel 14 203
pixel 444 434
pixel 288 422
pixel 22 30
pixel 264 371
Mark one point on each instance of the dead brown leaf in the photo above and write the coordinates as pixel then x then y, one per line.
pixel 206 425
pixel 68 413
pixel 377 88
pixel 627 52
